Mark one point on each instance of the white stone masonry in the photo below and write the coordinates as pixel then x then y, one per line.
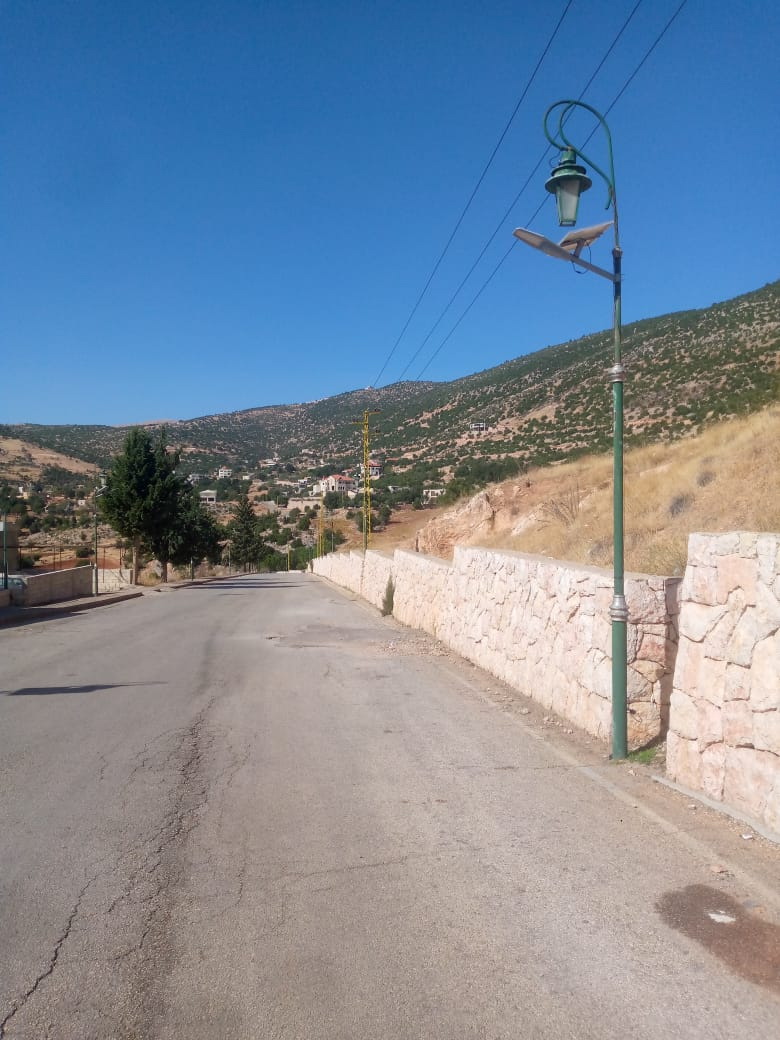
pixel 724 732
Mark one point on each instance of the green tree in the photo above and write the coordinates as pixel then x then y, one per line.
pixel 125 502
pixel 192 536
pixel 167 502
pixel 245 549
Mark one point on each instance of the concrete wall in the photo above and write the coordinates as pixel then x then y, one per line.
pixel 55 586
pixel 538 624
pixel 724 735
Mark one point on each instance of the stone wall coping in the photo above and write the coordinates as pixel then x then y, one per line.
pixel 437 561
pixel 569 565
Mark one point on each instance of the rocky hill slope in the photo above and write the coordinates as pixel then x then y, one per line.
pixel 685 370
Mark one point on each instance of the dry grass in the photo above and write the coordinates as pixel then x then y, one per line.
pixel 723 480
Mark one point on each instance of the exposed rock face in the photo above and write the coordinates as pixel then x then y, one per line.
pixel 724 736
pixel 470 519
pixel 493 511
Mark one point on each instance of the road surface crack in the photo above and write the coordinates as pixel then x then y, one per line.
pixel 49 970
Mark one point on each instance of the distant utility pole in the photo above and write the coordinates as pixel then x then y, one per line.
pixel 367 431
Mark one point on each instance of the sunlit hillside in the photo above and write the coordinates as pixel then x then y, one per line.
pixel 725 479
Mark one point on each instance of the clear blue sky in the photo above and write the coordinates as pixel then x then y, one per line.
pixel 213 206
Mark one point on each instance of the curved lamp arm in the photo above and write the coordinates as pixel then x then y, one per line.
pixel 560 140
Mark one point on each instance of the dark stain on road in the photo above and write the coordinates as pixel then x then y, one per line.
pixel 744 942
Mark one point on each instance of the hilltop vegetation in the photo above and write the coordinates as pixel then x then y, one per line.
pixel 684 371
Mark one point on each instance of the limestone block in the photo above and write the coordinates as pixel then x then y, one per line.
pixel 683 761
pixel 748 543
pixel 712 680
pixel 710 724
pixel 736 572
pixel 768 606
pixel 768 557
pixel 644 602
pixel 638 687
pixel 766 732
pixel 602 633
pixel 683 715
pixel 653 647
pixel 737 721
pixel 736 683
pixel 701 586
pixel 689 662
pixel 713 770
pixel 602 678
pixel 651 670
pixel 643 723
pixel 752 629
pixel 603 599
pixel 719 638
pixel 697 620
pixel 724 544
pixel 751 782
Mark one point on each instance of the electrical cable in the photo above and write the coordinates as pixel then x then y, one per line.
pixel 499 226
pixel 498 266
pixel 474 191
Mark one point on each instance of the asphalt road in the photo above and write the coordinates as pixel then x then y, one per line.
pixel 256 809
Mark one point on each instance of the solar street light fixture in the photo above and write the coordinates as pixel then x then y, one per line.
pixel 567 182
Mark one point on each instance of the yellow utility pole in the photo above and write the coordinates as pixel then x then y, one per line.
pixel 365 423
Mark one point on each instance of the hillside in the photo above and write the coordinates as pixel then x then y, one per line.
pixel 684 370
pixel 724 479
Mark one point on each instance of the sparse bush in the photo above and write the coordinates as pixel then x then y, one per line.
pixel 679 504
pixel 563 510
pixel 387 602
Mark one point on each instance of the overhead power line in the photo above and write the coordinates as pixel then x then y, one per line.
pixel 501 262
pixel 474 191
pixel 499 226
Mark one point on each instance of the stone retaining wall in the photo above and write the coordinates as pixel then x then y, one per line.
pixel 538 624
pixel 543 627
pixel 423 592
pixel 377 570
pixel 724 731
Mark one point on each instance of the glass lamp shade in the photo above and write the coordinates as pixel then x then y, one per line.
pixel 567 182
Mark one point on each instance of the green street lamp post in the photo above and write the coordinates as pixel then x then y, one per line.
pixel 567 181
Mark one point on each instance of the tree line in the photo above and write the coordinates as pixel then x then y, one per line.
pixel 156 509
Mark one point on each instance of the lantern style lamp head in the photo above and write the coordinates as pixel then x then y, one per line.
pixel 566 182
